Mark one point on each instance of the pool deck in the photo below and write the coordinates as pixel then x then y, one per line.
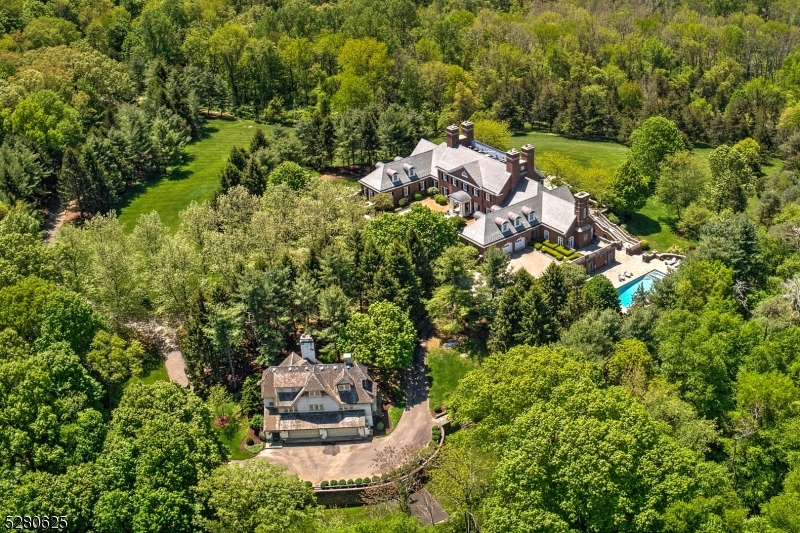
pixel 630 263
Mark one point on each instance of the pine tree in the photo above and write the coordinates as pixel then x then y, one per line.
pixel 505 326
pixel 368 136
pixel 197 347
pixel 554 287
pixel 258 142
pixel 536 325
pixel 72 182
pixel 254 179
pixel 422 264
pixel 396 282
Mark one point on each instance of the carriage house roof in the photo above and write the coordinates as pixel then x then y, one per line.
pixel 295 376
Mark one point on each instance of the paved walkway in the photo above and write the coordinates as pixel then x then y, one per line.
pixel 353 460
pixel 167 343
pixel 425 507
pixel 176 368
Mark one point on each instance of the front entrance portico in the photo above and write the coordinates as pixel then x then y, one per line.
pixel 461 203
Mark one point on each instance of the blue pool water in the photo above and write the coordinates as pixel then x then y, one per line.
pixel 627 291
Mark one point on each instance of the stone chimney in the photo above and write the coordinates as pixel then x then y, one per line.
pixel 348 359
pixel 582 208
pixel 452 136
pixel 513 166
pixel 467 132
pixel 528 157
pixel 307 348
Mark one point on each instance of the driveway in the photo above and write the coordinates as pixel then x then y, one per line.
pixel 353 460
pixel 532 260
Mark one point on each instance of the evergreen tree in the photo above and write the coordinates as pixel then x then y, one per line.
pixel 258 142
pixel 368 136
pixel 197 347
pixel 554 287
pixel 73 185
pixel 396 282
pixel 505 326
pixel 421 262
pixel 537 325
pixel 254 179
pixel 495 271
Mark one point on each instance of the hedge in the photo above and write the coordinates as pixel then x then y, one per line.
pixel 417 196
pixel 334 483
pixel 439 199
pixel 574 255
pixel 559 256
pixel 323 484
pixel 538 246
pixel 342 482
pixel 403 202
pixel 563 250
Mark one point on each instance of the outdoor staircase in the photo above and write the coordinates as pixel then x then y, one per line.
pixel 612 229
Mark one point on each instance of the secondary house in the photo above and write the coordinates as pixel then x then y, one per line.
pixel 309 401
pixel 503 194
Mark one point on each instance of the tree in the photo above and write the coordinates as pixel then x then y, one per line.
pixel 256 496
pixel 505 326
pixel 681 181
pixel 731 180
pixel 629 365
pixel 594 334
pixel 462 475
pixel 397 467
pixel 421 262
pixel 291 174
pixel 601 294
pixel 537 325
pixel 383 337
pixel 433 229
pixel 494 270
pixel 751 151
pixel 114 360
pixel 630 188
pixel 47 121
pixel 227 44
pixel 396 282
pixel 493 133
pixel 651 143
pixel 225 331
pixel 733 241
pixel 68 317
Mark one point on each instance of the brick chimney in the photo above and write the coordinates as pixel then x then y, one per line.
pixel 307 348
pixel 467 132
pixel 529 158
pixel 452 136
pixel 513 166
pixel 582 208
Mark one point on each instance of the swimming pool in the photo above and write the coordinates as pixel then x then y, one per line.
pixel 627 291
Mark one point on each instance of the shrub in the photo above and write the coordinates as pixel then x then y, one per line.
pixel 375 479
pixel 574 255
pixel 308 484
pixel 342 482
pixel 383 202
pixel 250 441
pixel 548 244
pixel 359 481
pixel 403 202
pixel 432 191
pixel 380 426
pixel 323 484
pixel 439 199
pixel 417 196
pixel 674 249
pixel 645 245
pixel 256 422
pixel 537 245
pixel 437 409
pixel 614 219
pixel 563 250
pixel 384 477
pixel 351 482
pixel 549 251
pixel 334 483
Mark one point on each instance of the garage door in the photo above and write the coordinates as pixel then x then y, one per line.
pixel 304 434
pixel 342 432
pixel 519 244
pixel 507 248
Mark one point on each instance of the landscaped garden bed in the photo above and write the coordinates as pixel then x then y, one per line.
pixel 556 251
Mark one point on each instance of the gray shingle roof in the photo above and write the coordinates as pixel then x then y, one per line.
pixel 487 172
pixel 307 376
pixel 549 207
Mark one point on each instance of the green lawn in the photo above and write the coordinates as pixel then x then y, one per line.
pixel 395 413
pixel 232 436
pixel 650 223
pixel 194 180
pixel 148 378
pixel 446 368
pixel 610 153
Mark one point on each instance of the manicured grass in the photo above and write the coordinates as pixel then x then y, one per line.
pixel 395 413
pixel 446 367
pixel 610 154
pixel 231 437
pixel 157 374
pixel 651 223
pixel 194 180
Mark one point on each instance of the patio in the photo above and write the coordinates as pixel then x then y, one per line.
pixel 533 261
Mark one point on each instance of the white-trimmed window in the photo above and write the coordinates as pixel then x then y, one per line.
pixel 343 386
pixel 476 207
pixel 436 183
pixel 316 407
pixel 444 178
pixel 475 191
pixel 546 235
pixel 465 186
pixel 464 174
pixel 505 227
pixel 488 197
pixel 405 190
pixel 518 222
pixel 532 216
pixel 422 185
pixel 560 241
pixel 455 182
pixel 571 242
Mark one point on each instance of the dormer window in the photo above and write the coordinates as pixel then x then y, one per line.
pixel 505 227
pixel 518 222
pixel 343 387
pixel 532 216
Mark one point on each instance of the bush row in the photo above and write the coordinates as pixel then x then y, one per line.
pixel 351 482
pixel 549 251
pixel 439 199
pixel 436 434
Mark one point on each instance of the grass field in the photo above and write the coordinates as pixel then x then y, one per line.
pixel 157 374
pixel 194 180
pixel 231 437
pixel 446 367
pixel 611 154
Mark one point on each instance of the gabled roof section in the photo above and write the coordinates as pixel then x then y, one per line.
pixel 486 230
pixel 558 212
pixel 293 360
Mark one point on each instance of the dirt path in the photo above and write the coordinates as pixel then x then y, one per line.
pixel 56 218
pixel 167 342
pixel 345 461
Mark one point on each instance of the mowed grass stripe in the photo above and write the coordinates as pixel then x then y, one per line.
pixel 195 180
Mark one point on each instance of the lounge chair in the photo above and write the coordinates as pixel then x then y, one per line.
pixel 628 274
pixel 621 277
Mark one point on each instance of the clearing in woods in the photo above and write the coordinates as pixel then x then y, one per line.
pixel 195 180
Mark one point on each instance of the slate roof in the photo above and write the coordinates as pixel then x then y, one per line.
pixel 487 172
pixel 551 208
pixel 298 373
